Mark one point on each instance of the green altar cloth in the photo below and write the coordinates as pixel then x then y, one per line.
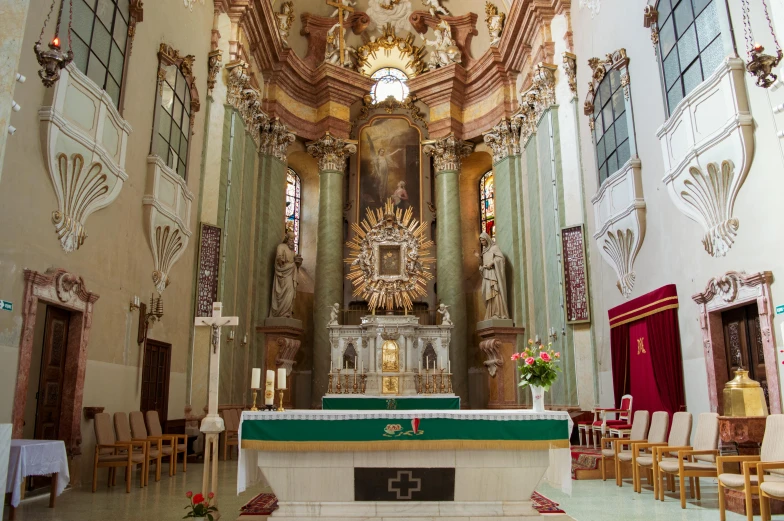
pixel 336 431
pixel 398 403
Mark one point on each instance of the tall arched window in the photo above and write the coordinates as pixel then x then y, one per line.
pixel 389 82
pixel 293 204
pixel 487 203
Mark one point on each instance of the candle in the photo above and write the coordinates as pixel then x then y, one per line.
pixel 255 379
pixel 269 391
pixel 346 365
pixel 245 339
pixel 361 366
pixel 282 378
pixel 231 335
pixel 449 367
pixel 427 363
pixel 355 362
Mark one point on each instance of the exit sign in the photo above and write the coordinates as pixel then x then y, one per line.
pixel 8 306
pixel 780 310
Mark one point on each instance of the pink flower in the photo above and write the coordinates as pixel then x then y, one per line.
pixel 530 342
pixel 557 355
pixel 544 356
pixel 530 360
pixel 189 494
pixel 211 495
pixel 515 356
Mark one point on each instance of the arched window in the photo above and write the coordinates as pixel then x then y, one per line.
pixel 690 44
pixel 293 204
pixel 487 204
pixel 389 82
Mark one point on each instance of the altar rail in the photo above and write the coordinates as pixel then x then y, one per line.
pixel 353 317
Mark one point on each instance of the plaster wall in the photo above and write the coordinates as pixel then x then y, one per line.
pixel 672 251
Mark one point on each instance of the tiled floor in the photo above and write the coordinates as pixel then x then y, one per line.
pixel 163 501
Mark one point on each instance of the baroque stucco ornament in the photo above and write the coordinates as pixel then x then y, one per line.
pixel 535 100
pixel 592 5
pixel 275 139
pixel 332 152
pixel 246 99
pixel 447 152
pixel 504 139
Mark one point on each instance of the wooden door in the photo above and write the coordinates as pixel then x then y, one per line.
pixel 743 344
pixel 50 385
pixel 155 378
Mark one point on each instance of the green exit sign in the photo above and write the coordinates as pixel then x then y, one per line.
pixel 780 310
pixel 8 306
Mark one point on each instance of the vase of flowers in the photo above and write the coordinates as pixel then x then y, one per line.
pixel 538 370
pixel 200 506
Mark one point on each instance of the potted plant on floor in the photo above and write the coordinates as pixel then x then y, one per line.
pixel 200 506
pixel 538 369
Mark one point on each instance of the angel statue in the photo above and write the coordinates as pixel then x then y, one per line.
pixel 492 267
pixel 444 52
pixel 347 3
pixel 443 310
pixel 285 19
pixel 495 23
pixel 333 314
pixel 435 7
pixel 393 12
pixel 380 161
pixel 332 51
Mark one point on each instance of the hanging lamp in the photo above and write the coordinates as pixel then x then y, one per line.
pixel 760 65
pixel 55 59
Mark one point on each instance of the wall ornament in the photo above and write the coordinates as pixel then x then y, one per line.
pixel 331 152
pixel 570 69
pixel 246 99
pixel 447 153
pixel 537 98
pixel 617 60
pixel 389 106
pixel 409 58
pixel 504 139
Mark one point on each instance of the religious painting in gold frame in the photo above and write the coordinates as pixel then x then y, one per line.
pixel 390 357
pixel 390 153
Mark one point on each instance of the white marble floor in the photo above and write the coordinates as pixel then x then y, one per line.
pixel 590 501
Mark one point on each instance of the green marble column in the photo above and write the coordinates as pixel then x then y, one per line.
pixel 447 154
pixel 331 153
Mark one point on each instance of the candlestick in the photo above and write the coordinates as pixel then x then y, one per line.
pixel 253 407
pixel 280 403
pixel 255 379
pixel 281 378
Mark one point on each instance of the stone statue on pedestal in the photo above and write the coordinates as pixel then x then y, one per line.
pixel 492 266
pixel 284 289
pixel 443 309
pixel 333 314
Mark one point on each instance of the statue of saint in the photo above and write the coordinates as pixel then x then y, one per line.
pixel 284 289
pixel 492 267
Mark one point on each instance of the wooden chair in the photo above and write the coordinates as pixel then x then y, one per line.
pixel 691 462
pixel 770 459
pixel 179 441
pixel 231 437
pixel 139 430
pixel 680 435
pixel 123 429
pixel 623 415
pixel 656 434
pixel 611 447
pixel 109 453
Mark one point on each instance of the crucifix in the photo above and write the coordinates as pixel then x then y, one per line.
pixel 341 5
pixel 212 424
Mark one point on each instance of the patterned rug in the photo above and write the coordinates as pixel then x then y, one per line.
pixel 584 458
pixel 265 504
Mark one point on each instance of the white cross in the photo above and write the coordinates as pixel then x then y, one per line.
pixel 213 421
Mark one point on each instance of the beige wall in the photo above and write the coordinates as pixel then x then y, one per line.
pixel 115 260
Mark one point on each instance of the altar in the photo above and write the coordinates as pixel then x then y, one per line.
pixel 374 465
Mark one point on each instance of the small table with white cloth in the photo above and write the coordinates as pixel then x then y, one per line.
pixel 36 458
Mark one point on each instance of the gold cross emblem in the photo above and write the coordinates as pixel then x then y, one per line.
pixel 641 346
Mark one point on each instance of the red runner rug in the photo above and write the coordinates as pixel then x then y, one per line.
pixel 584 458
pixel 265 504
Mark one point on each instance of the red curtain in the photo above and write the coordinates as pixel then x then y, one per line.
pixel 665 342
pixel 619 349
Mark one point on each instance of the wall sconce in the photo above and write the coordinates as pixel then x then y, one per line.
pixel 135 303
pixel 230 338
pixel 147 317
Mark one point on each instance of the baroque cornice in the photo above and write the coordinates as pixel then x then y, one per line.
pixel 728 285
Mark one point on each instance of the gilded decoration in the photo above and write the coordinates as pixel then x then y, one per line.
pixel 214 64
pixel 285 19
pixel 275 139
pixel 389 258
pixel 616 60
pixel 331 152
pixel 535 100
pixel 447 153
pixel 495 23
pixel 168 56
pixel 570 69
pixel 390 357
pixel 389 105
pixel 651 21
pixel 504 139
pixel 410 57
pixel 246 99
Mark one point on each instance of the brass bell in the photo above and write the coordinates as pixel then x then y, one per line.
pixel 744 397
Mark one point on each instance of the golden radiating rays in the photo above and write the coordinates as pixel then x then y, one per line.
pixel 390 226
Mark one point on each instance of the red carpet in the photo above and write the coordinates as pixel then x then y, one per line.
pixel 584 458
pixel 265 504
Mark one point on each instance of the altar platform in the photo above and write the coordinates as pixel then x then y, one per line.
pixel 423 465
pixel 396 403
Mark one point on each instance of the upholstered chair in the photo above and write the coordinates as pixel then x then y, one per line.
pixel 152 448
pixel 694 462
pixel 179 441
pixel 622 416
pixel 611 447
pixel 585 429
pixel 660 420
pixel 680 435
pixel 231 418
pixel 110 453
pixel 139 430
pixel 770 459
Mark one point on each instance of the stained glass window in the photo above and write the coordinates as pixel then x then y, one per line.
pixel 389 82
pixel 487 203
pixel 293 204
pixel 690 44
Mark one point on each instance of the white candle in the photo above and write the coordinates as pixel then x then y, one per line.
pixel 346 365
pixel 255 379
pixel 282 378
pixel 361 366
pixel 269 390
pixel 427 363
pixel 355 362
pixel 420 365
pixel 449 367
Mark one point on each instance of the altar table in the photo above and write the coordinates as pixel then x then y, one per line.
pixel 398 403
pixel 374 465
pixel 36 458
